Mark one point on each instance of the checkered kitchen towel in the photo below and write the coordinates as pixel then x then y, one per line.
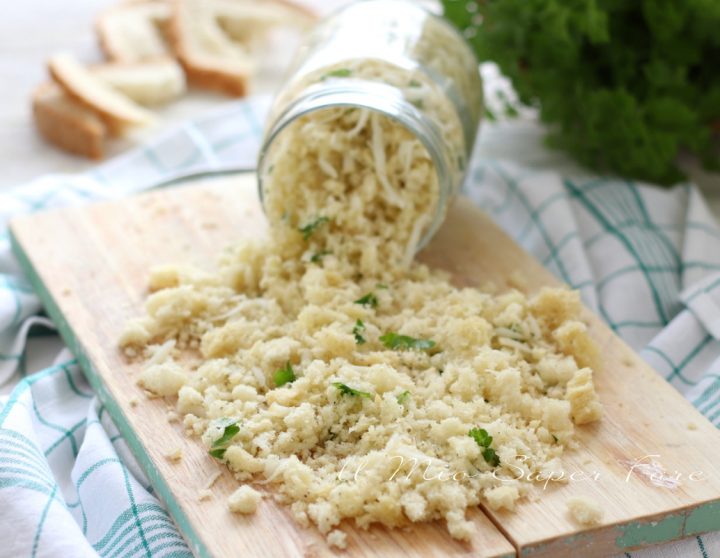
pixel 646 259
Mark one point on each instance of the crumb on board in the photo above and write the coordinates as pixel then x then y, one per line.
pixel 174 455
pixel 692 426
pixel 518 280
pixel 584 511
pixel 244 500
pixel 337 538
pixel 204 494
pixel 134 402
pixel 212 479
pixel 172 416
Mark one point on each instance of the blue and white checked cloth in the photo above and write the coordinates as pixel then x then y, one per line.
pixel 647 260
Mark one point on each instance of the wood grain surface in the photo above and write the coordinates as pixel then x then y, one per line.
pixel 90 266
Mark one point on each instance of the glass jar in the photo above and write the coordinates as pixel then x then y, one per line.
pixel 395 58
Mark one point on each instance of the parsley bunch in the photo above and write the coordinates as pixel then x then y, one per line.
pixel 624 85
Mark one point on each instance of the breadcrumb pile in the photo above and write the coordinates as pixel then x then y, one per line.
pixel 359 384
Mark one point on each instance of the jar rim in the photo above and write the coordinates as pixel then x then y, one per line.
pixel 380 98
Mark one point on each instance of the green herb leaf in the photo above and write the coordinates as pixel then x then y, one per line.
pixel 483 439
pixel 309 229
pixel 339 73
pixel 491 458
pixel 217 450
pixel 481 436
pixel 415 83
pixel 368 300
pixel 318 256
pixel 403 397
pixel 347 390
pixel 284 375
pixel 381 286
pixel 396 341
pixel 357 332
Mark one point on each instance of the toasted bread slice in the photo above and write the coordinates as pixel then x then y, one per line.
pixel 200 34
pixel 67 123
pixel 117 111
pixel 132 31
pixel 248 21
pixel 148 83
pixel 210 58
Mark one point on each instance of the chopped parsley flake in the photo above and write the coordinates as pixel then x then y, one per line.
pixel 415 83
pixel 284 375
pixel 219 446
pixel 483 439
pixel 403 397
pixel 396 341
pixel 381 286
pixel 357 332
pixel 368 300
pixel 339 73
pixel 309 229
pixel 347 390
pixel 318 256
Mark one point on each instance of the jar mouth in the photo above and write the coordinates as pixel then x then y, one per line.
pixel 380 98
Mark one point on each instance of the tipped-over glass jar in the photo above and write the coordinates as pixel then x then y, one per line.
pixel 383 97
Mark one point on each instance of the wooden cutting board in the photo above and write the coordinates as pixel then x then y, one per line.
pixel 90 266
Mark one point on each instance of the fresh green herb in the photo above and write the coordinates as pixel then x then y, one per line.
pixel 491 458
pixel 642 88
pixel 381 286
pixel 309 229
pixel 368 300
pixel 415 83
pixel 483 439
pixel 418 103
pixel 219 446
pixel 403 397
pixel 481 436
pixel 347 390
pixel 339 73
pixel 284 375
pixel 396 341
pixel 357 332
pixel 318 256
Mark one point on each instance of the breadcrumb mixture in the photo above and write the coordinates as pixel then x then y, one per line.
pixel 360 384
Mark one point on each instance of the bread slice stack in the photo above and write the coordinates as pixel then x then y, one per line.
pixel 152 47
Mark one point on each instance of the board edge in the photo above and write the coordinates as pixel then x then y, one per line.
pixel 195 543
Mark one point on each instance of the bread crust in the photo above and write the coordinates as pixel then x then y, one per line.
pixel 117 111
pixel 202 74
pixel 66 123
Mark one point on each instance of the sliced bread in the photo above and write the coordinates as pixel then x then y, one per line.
pixel 66 123
pixel 133 31
pixel 213 38
pixel 117 110
pixel 147 83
